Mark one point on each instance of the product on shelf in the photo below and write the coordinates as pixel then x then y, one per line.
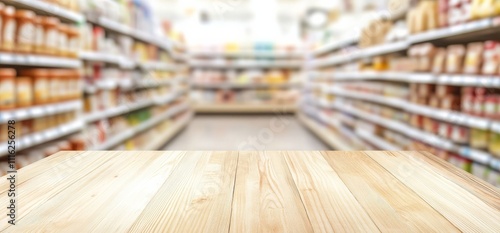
pixel 7 88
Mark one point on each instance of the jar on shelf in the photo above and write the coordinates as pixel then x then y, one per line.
pixel 25 31
pixel 41 84
pixel 39 40
pixel 51 32
pixel 24 91
pixel 2 7
pixel 73 42
pixel 63 47
pixel 57 90
pixel 8 32
pixel 7 89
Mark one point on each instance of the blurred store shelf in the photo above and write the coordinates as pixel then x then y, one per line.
pixel 47 8
pixel 32 140
pixel 170 133
pixel 244 108
pixel 38 61
pixel 39 111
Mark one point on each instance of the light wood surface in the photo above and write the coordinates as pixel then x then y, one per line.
pixel 250 192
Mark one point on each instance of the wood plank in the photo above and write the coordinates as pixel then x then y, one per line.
pixel 92 209
pixel 265 197
pixel 330 205
pixel 391 205
pixel 195 198
pixel 53 162
pixel 465 210
pixel 36 190
pixel 480 188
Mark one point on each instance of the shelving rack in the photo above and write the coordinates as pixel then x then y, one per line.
pixel 82 120
pixel 312 106
pixel 240 61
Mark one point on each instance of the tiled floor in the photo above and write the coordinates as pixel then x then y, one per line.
pixel 259 132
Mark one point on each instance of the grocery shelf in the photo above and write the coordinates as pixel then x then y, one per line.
pixel 46 8
pixel 36 139
pixel 247 65
pixel 377 141
pixel 243 85
pixel 38 61
pixel 331 138
pixel 388 48
pixel 439 114
pixel 118 60
pixel 127 134
pixel 155 83
pixel 244 108
pixel 251 54
pixel 478 156
pixel 39 111
pixel 454 31
pixel 166 136
pixel 130 107
pixel 335 45
pixel 163 43
pixel 157 65
pixel 444 79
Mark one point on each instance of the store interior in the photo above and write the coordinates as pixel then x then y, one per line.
pixel 347 75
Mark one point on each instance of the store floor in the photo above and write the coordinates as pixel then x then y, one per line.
pixel 249 132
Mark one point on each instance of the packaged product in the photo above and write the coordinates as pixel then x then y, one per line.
pixel 431 125
pixel 434 101
pixel 445 130
pixel 479 105
pixel 8 32
pixel 451 102
pixel 25 31
pixel 479 138
pixel 460 134
pixel 474 58
pixel 426 54
pixel 494 143
pixel 454 59
pixel 446 90
pixel 491 58
pixel 439 62
pixel 7 89
pixel 41 84
pixel 24 91
pixel 51 33
pixel 425 89
pixel 491 106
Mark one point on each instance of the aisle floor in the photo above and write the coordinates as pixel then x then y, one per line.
pixel 259 132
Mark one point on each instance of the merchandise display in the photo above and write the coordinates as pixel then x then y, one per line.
pixel 244 75
pixel 250 116
pixel 436 92
pixel 69 68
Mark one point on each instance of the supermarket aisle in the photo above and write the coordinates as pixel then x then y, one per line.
pixel 214 132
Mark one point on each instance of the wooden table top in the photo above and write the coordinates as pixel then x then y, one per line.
pixel 250 192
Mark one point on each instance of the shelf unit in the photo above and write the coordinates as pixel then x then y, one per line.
pixel 244 108
pixel 330 137
pixel 110 143
pixel 32 140
pixel 46 8
pixel 82 121
pixel 325 82
pixel 240 61
pixel 169 134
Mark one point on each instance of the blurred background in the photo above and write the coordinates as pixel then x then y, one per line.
pixel 252 75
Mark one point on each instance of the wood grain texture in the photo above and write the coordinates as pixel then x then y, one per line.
pixel 466 211
pixel 125 173
pixel 473 184
pixel 197 197
pixel 250 192
pixel 392 206
pixel 265 197
pixel 330 205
